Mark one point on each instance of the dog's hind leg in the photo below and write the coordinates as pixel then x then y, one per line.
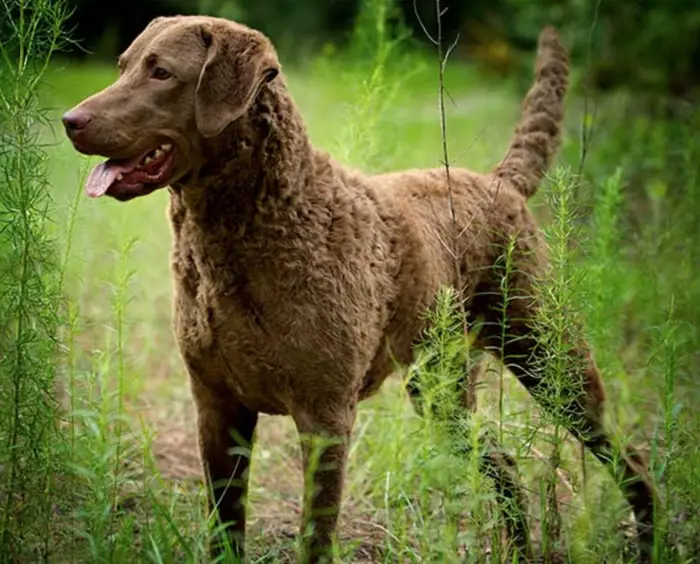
pixel 494 463
pixel 578 404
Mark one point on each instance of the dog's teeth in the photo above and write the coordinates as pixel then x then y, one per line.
pixel 120 176
pixel 166 147
pixel 158 154
pixel 147 160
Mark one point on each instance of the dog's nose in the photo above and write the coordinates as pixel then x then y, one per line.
pixel 75 120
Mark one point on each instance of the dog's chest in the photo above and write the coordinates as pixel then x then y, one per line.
pixel 225 349
pixel 222 337
pixel 271 328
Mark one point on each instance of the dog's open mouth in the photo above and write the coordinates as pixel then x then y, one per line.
pixel 127 178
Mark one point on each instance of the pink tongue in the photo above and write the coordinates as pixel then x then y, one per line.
pixel 104 175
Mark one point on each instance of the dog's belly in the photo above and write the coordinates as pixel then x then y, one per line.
pixel 394 355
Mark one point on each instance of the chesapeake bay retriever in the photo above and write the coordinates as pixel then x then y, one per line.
pixel 299 282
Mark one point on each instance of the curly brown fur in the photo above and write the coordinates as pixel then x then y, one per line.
pixel 536 139
pixel 299 282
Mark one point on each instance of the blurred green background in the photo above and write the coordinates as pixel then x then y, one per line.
pixel 649 44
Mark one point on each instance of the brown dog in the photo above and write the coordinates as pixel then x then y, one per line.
pixel 298 282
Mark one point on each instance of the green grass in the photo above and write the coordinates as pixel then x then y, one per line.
pixel 135 492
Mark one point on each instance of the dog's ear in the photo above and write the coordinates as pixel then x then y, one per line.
pixel 237 64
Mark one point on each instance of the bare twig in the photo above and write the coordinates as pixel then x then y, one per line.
pixel 443 57
pixel 422 25
pixel 586 138
pixel 586 124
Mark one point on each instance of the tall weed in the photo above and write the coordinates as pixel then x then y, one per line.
pixel 31 460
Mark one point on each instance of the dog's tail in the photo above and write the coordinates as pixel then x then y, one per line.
pixel 536 137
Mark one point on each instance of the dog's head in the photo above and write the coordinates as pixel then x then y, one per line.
pixel 182 81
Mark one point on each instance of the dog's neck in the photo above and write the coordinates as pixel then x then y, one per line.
pixel 257 194
pixel 261 164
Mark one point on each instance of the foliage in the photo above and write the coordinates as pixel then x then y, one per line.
pixel 608 38
pixel 30 285
pixel 612 39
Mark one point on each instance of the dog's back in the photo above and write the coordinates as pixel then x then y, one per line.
pixel 489 209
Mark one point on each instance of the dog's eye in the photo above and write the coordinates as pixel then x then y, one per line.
pixel 160 73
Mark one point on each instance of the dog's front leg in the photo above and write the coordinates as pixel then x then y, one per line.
pixel 225 428
pixel 325 437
